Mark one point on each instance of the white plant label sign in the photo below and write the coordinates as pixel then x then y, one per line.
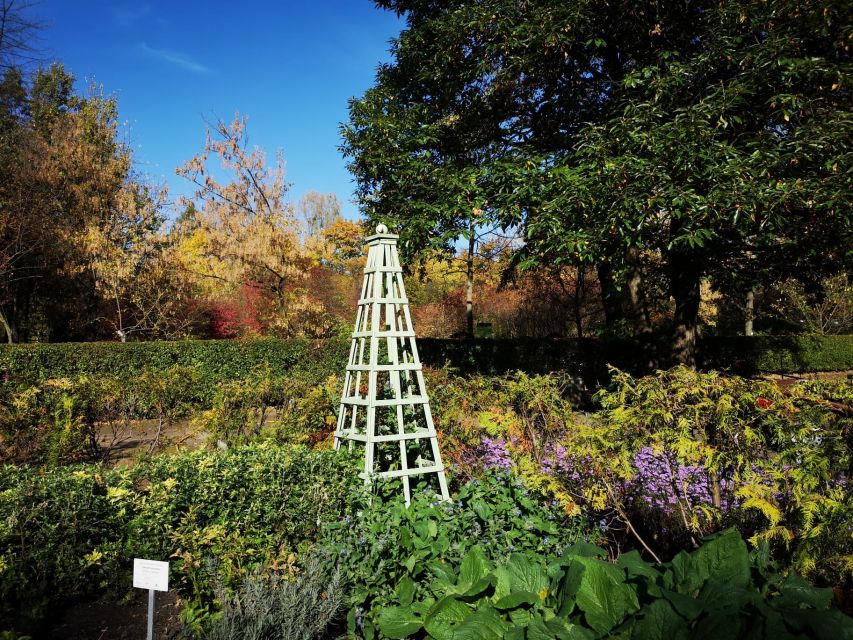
pixel 150 574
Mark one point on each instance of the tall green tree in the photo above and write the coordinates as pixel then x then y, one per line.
pixel 731 161
pixel 697 134
pixel 477 89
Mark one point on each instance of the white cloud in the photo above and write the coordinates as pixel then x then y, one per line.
pixel 175 58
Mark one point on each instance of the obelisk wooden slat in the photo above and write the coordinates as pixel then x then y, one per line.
pixel 384 403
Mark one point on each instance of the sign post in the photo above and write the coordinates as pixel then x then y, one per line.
pixel 154 576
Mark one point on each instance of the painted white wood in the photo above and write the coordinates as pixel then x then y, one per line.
pixel 384 351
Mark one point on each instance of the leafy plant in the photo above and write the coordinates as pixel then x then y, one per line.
pixel 389 543
pixel 732 451
pixel 72 531
pixel 717 591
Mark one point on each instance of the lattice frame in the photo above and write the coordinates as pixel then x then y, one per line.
pixel 384 403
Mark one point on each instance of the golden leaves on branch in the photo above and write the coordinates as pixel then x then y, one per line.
pixel 246 233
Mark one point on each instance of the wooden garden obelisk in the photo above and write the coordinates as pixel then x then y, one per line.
pixel 384 404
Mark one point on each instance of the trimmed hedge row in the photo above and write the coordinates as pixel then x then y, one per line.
pixel 215 360
pixel 778 354
pixel 587 358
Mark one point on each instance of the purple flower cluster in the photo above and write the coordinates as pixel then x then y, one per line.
pixel 662 482
pixel 556 460
pixel 493 453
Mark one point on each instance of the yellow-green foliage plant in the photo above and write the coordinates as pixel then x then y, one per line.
pixel 775 461
pixel 502 421
pixel 287 409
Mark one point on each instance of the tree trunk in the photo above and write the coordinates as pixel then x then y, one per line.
pixel 685 285
pixel 469 285
pixel 637 306
pixel 579 282
pixel 750 311
pixel 6 328
pixel 610 298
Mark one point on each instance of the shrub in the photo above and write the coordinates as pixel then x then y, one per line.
pixel 59 420
pixel 277 607
pixel 214 360
pixel 285 408
pixel 690 452
pixel 72 531
pixel 748 355
pixel 672 457
pixel 48 423
pixel 62 420
pixel 586 360
pixel 504 421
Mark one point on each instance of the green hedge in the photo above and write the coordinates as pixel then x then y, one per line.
pixel 587 358
pixel 778 354
pixel 215 360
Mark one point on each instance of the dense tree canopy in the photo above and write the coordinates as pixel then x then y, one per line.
pixel 696 139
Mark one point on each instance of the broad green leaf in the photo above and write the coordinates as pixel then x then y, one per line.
pixel 411 561
pixel 520 573
pixel 478 587
pixel 442 571
pixel 635 566
pixel 405 590
pixel 483 511
pixel 717 595
pixel 368 631
pixel 422 608
pixel 516 599
pixel 718 626
pixel 537 630
pixel 514 633
pixel 445 616
pixel 484 624
pixel 351 621
pixel 659 621
pixel 821 625
pixel 603 595
pixel 422 530
pixel 541 628
pixel 421 542
pixel 520 617
pixel 474 568
pixel 724 557
pixel 796 592
pixel 687 607
pixel 568 588
pixel 399 622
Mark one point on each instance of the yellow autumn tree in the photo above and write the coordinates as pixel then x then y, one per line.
pixel 246 234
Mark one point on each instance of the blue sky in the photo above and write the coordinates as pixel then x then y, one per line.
pixel 290 66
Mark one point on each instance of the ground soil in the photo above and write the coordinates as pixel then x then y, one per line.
pixel 122 445
pixel 104 620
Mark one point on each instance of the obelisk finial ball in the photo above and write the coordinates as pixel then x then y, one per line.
pixel 381 228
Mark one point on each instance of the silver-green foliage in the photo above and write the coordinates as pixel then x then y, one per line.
pixel 273 607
